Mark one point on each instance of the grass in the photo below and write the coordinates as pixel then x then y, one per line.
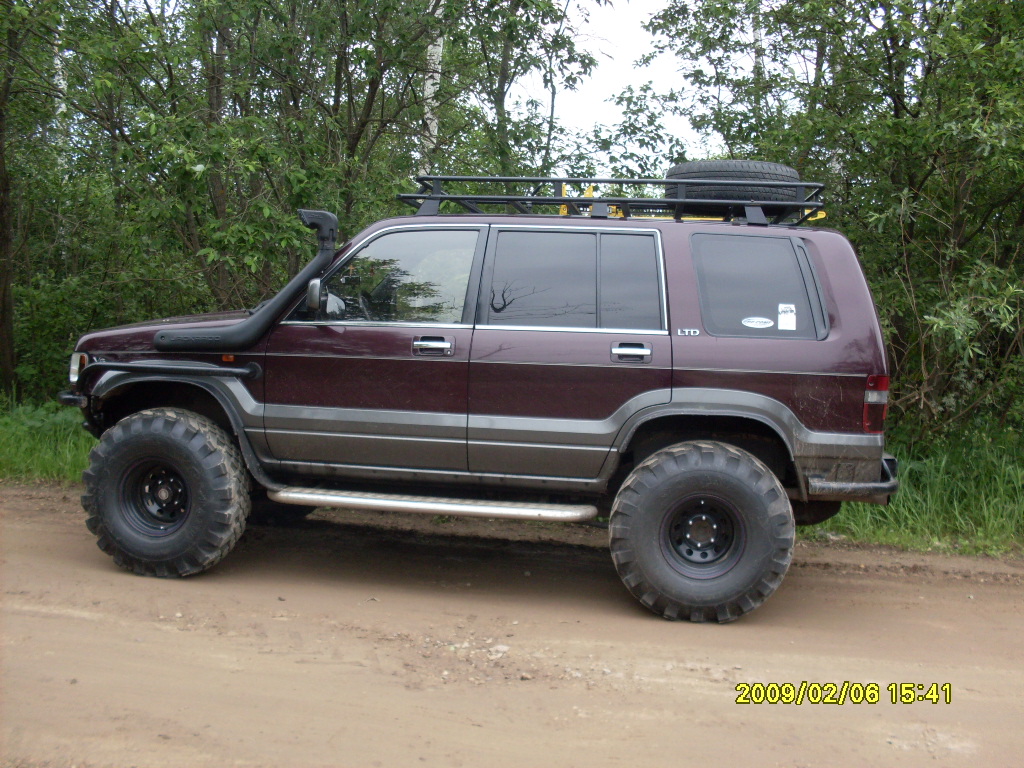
pixel 963 492
pixel 43 442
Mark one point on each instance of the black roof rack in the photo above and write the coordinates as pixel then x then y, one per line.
pixel 759 208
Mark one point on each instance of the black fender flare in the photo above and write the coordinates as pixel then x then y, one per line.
pixel 115 382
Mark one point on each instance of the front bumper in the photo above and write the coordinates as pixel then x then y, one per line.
pixel 869 492
pixel 73 399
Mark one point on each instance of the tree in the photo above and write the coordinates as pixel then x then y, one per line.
pixel 190 131
pixel 912 112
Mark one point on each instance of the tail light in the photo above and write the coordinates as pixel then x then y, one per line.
pixel 876 403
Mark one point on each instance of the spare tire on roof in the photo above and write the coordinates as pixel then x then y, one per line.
pixel 731 170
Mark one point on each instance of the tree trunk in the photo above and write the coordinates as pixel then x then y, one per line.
pixel 7 354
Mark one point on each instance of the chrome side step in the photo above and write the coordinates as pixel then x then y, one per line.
pixel 509 510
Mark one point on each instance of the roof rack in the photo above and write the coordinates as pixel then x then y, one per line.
pixel 758 209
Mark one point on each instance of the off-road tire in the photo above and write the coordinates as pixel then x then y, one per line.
pixel 701 530
pixel 728 170
pixel 166 492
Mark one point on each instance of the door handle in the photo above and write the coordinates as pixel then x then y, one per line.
pixel 638 351
pixel 434 345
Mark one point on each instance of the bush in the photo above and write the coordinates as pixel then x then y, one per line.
pixel 42 442
pixel 961 492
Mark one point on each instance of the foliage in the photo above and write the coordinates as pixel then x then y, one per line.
pixel 42 442
pixel 155 153
pixel 963 493
pixel 912 112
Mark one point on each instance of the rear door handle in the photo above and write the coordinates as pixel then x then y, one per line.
pixel 432 345
pixel 639 350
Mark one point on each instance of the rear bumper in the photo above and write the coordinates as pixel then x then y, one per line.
pixel 870 492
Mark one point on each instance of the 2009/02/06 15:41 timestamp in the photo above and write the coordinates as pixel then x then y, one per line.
pixel 843 693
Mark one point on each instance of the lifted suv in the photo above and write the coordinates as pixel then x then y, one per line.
pixel 707 384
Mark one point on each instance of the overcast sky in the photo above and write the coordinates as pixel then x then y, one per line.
pixel 616 38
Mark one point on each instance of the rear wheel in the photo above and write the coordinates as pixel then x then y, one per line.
pixel 166 493
pixel 701 530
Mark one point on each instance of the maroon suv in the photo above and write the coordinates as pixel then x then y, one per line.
pixel 712 383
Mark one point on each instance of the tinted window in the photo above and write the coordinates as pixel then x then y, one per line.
pixel 555 279
pixel 752 286
pixel 630 298
pixel 544 279
pixel 415 276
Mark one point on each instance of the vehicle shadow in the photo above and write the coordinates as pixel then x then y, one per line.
pixel 328 551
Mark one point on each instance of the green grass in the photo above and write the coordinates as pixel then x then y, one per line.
pixel 962 492
pixel 43 442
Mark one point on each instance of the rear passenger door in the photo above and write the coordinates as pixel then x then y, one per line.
pixel 571 340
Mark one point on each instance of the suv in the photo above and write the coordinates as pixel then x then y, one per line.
pixel 706 384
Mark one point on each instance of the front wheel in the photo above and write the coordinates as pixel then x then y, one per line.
pixel 701 530
pixel 166 493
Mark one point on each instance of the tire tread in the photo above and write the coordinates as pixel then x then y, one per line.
pixel 228 476
pixel 700 455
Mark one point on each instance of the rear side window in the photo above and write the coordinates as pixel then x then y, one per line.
pixel 760 287
pixel 574 280
pixel 630 295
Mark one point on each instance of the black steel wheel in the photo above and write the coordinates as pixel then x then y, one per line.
pixel 704 536
pixel 154 498
pixel 166 493
pixel 701 530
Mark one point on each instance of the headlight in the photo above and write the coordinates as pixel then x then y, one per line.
pixel 78 361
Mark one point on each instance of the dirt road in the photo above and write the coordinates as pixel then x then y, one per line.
pixel 362 640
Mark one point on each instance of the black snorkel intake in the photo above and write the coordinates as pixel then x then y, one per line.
pixel 236 338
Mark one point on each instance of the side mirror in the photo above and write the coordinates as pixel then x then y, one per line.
pixel 315 295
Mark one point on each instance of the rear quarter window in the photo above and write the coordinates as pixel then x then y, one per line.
pixel 759 287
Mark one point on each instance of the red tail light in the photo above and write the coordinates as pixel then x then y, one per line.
pixel 876 403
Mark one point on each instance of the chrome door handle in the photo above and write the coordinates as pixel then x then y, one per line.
pixel 434 345
pixel 632 351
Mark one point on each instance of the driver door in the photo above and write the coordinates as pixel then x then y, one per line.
pixel 377 380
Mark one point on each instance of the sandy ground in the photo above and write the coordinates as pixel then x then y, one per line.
pixel 389 640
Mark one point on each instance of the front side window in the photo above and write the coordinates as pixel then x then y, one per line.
pixel 403 277
pixel 574 280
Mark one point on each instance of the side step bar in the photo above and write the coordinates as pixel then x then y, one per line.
pixel 430 505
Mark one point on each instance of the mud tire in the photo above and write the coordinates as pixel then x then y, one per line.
pixel 166 493
pixel 701 531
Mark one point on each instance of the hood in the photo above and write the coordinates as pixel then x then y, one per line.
pixel 138 337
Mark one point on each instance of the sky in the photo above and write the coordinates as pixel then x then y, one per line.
pixel 615 36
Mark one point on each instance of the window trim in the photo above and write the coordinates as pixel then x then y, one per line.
pixel 488 274
pixel 818 309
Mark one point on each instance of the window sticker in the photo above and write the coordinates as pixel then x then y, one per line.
pixel 787 317
pixel 758 322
